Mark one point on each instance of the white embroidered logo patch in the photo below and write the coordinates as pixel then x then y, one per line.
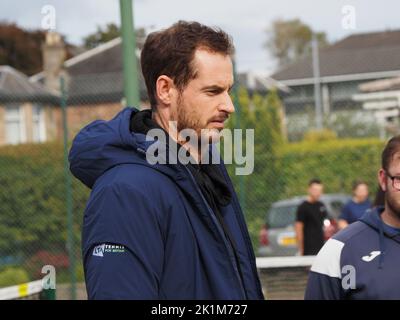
pixel 100 250
pixel 371 256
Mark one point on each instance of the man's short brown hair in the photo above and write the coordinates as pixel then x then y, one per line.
pixel 170 52
pixel 391 148
pixel 314 181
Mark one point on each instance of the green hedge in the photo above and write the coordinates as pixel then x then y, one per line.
pixel 33 220
pixel 336 162
pixel 12 276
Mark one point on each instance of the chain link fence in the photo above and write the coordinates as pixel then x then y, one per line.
pixel 42 206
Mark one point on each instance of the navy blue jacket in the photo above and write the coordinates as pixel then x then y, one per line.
pixel 148 232
pixel 360 262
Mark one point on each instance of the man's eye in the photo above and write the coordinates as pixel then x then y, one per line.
pixel 213 92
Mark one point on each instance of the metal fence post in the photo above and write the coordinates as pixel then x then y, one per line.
pixel 68 187
pixel 131 85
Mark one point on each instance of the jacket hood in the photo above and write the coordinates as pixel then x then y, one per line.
pixel 372 218
pixel 102 145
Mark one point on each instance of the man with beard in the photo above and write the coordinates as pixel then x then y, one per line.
pixel 172 230
pixel 362 261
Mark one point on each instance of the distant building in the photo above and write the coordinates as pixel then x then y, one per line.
pixel 382 97
pixel 346 64
pixel 26 109
pixel 93 83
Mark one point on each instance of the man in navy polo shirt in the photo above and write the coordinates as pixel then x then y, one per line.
pixel 356 207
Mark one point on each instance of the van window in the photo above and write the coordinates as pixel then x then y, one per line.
pixel 336 208
pixel 282 216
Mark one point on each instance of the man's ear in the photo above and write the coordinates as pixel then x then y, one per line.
pixel 382 179
pixel 164 87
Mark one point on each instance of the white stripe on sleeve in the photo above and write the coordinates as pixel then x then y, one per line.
pixel 328 259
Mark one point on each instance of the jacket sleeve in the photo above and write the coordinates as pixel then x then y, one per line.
pixel 324 280
pixel 123 245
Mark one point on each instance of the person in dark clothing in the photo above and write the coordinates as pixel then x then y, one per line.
pixel 208 176
pixel 310 218
pixel 173 229
pixel 355 208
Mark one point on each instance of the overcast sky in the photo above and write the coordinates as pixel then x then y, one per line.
pixel 245 20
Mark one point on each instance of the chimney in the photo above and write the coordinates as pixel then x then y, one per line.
pixel 54 54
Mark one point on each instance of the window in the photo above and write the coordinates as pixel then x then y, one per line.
pixel 282 216
pixel 14 125
pixel 336 207
pixel 38 125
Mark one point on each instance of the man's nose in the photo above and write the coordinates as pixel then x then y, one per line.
pixel 227 105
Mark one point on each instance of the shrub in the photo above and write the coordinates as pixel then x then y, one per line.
pixel 11 276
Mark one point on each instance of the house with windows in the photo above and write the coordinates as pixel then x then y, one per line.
pixel 26 109
pixel 344 66
pixel 30 107
pixel 90 84
pixel 94 81
pixel 382 97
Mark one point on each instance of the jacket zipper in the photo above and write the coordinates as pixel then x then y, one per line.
pixel 216 223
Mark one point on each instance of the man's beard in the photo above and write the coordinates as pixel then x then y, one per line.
pixel 186 120
pixel 393 204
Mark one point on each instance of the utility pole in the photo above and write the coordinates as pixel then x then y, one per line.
pixel 317 83
pixel 68 194
pixel 131 84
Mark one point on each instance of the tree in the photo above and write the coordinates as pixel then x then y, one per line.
pixel 21 49
pixel 269 139
pixel 33 223
pixel 102 35
pixel 264 185
pixel 290 40
pixel 109 32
